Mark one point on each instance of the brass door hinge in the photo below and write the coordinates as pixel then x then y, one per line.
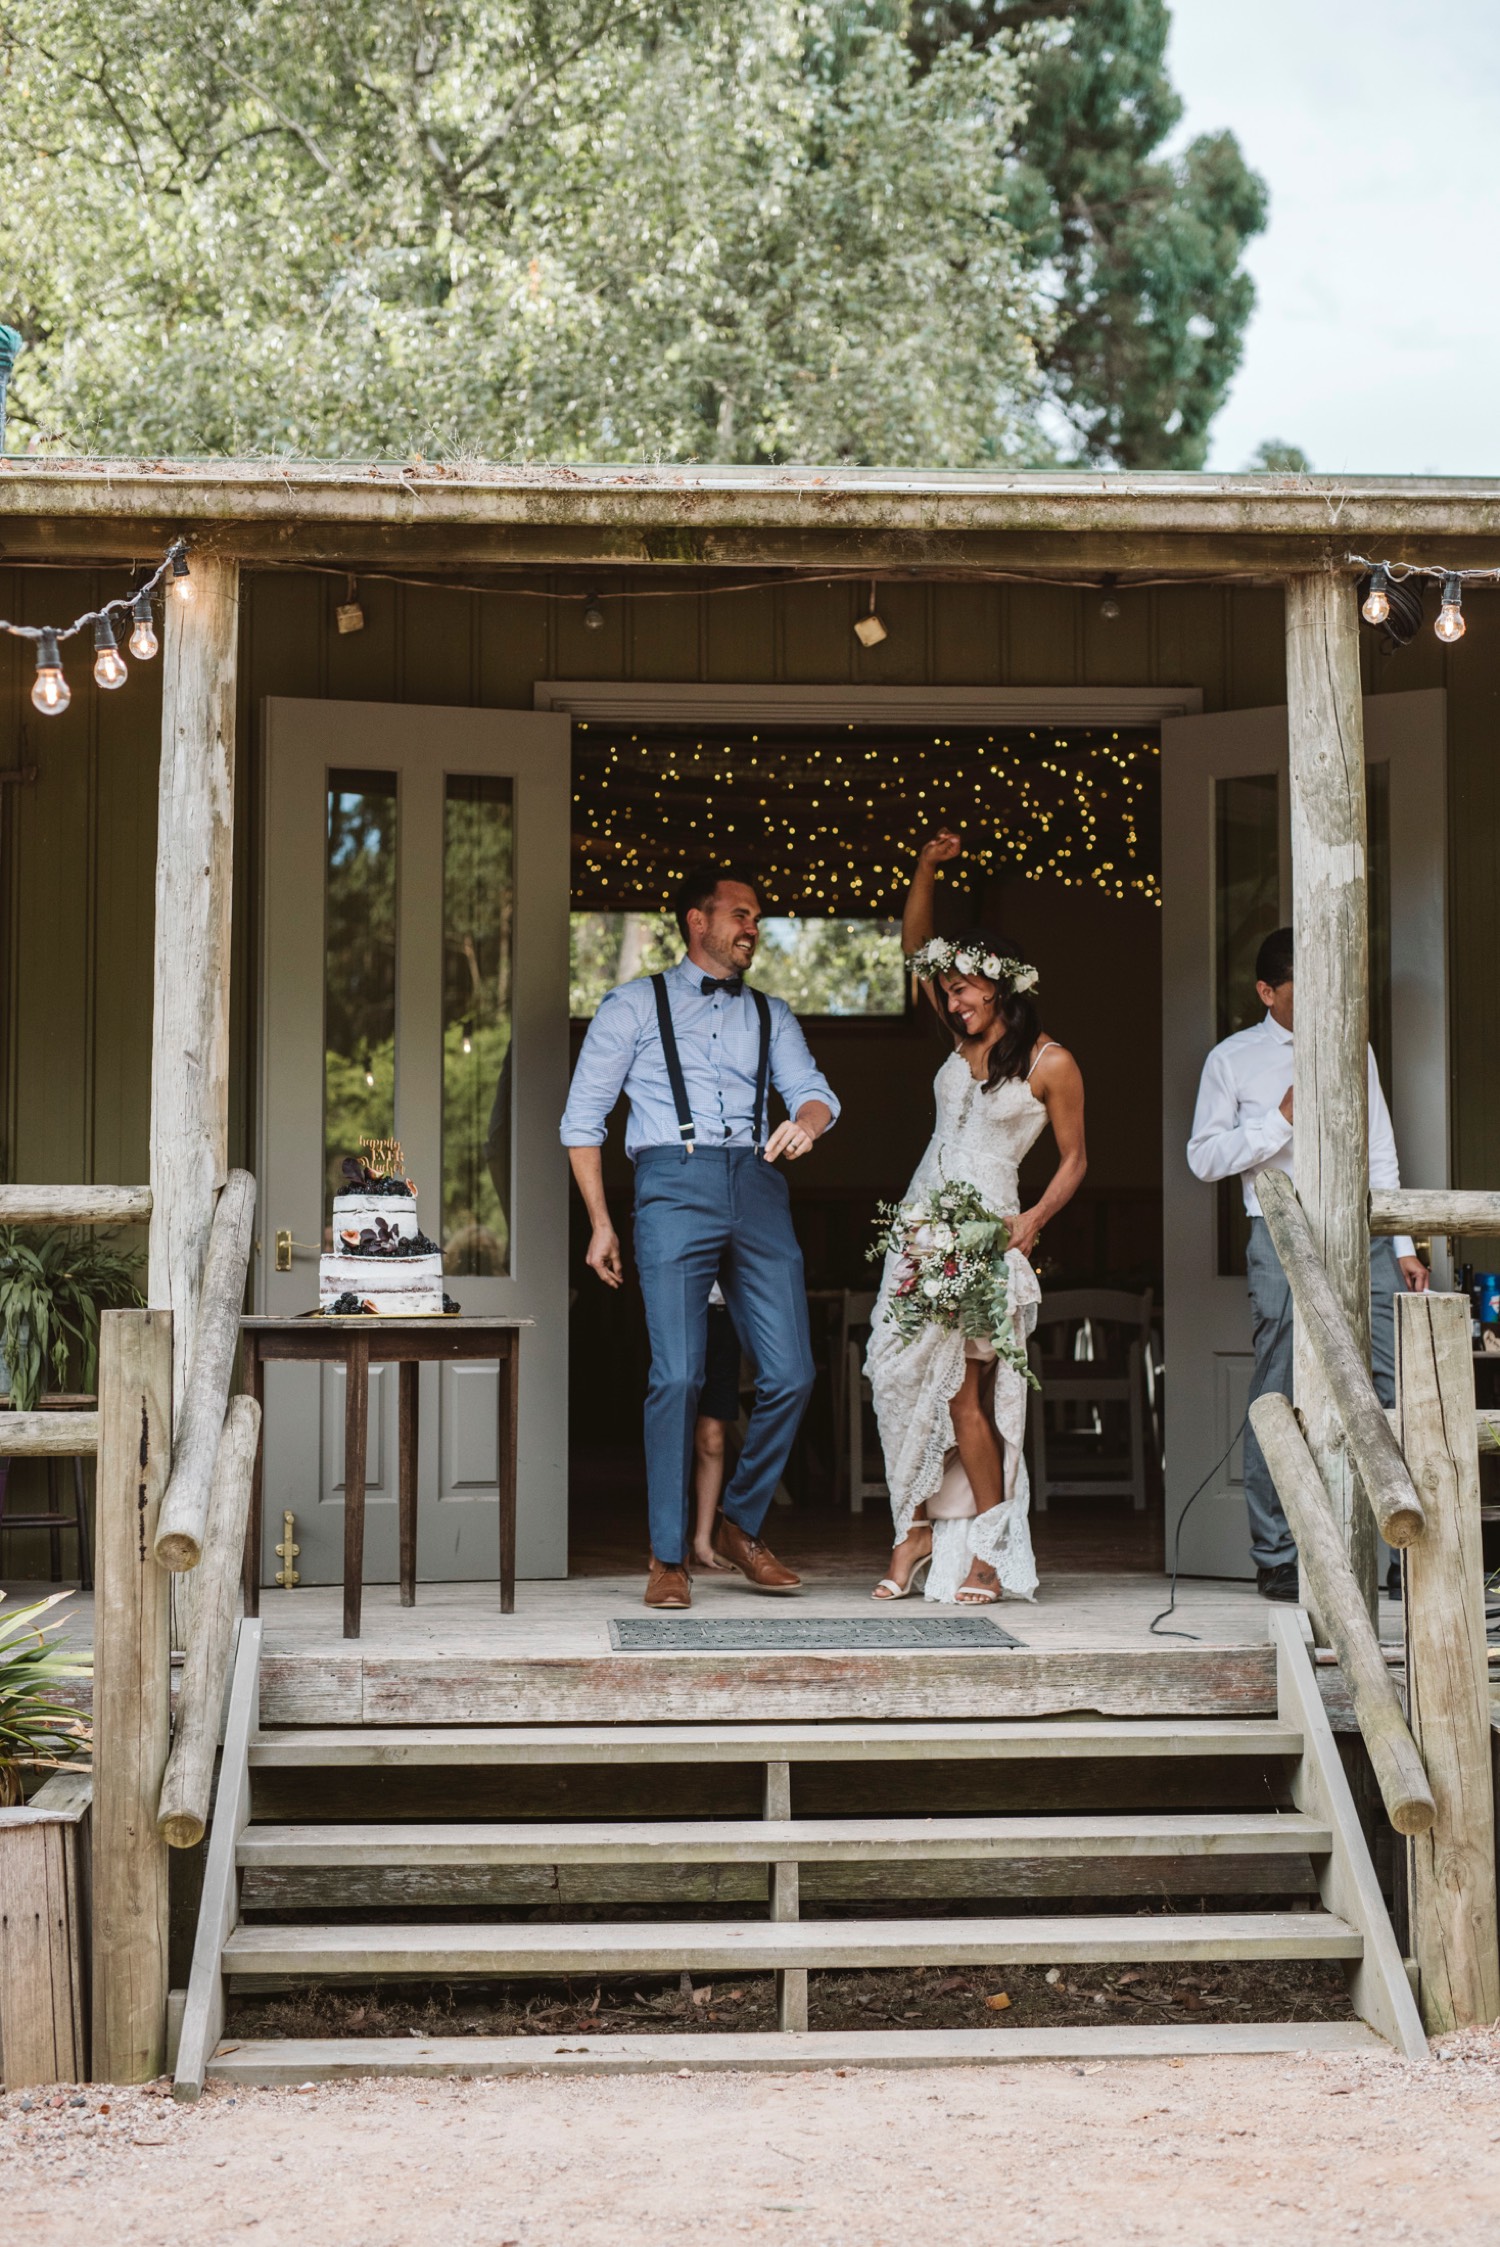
pixel 287 1551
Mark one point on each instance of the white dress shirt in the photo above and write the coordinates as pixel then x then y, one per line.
pixel 1238 1127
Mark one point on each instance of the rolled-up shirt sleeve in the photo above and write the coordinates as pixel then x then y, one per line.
pixel 608 1050
pixel 1223 1145
pixel 794 1072
pixel 1385 1168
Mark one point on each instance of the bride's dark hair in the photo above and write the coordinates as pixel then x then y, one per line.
pixel 1010 1055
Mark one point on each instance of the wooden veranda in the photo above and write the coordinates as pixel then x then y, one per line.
pixel 175 1448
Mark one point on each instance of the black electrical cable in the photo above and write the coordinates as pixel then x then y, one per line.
pixel 1157 1620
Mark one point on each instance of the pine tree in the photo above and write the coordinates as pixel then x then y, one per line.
pixel 1144 250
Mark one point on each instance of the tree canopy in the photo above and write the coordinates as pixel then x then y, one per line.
pixel 740 230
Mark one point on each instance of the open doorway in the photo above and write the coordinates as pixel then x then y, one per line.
pixel 1062 851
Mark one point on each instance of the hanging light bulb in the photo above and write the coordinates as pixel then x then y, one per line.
pixel 182 583
pixel 468 1039
pixel 868 629
pixel 1450 625
pixel 109 664
pixel 1376 606
pixel 593 615
pixel 50 691
pixel 369 1074
pixel 143 641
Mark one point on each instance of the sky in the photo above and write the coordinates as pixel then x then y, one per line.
pixel 1375 344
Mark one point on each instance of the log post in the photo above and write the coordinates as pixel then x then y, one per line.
pixel 132 1698
pixel 194 883
pixel 187 1790
pixel 1452 1866
pixel 200 1417
pixel 1325 737
pixel 1377 1706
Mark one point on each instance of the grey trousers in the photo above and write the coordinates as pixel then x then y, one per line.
pixel 1271 1541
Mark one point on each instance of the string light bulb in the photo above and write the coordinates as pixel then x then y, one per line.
pixel 50 691
pixel 1376 606
pixel 143 640
pixel 109 664
pixel 1450 624
pixel 369 1073
pixel 593 615
pixel 182 579
pixel 468 1037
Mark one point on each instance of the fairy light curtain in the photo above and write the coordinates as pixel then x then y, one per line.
pixel 825 820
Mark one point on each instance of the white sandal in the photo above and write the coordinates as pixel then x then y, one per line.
pixel 977 1595
pixel 888 1588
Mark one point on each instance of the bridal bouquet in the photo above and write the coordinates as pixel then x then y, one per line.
pixel 952 1271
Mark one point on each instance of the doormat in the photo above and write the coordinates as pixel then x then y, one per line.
pixel 804 1634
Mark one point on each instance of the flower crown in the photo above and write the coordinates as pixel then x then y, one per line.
pixel 938 957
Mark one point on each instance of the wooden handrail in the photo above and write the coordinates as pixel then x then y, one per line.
pixel 1442 1210
pixel 187 1785
pixel 200 1425
pixel 48 1435
pixel 73 1205
pixel 1377 1456
pixel 1398 1768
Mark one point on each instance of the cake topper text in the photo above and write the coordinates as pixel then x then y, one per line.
pixel 383 1157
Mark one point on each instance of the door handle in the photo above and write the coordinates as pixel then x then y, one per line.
pixel 284 1248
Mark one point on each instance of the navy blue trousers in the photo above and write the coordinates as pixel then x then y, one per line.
pixel 721 1213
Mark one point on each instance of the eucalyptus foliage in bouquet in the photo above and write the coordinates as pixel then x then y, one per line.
pixel 37 1733
pixel 52 1288
pixel 952 1271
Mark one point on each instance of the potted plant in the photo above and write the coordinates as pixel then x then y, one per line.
pixel 53 1285
pixel 37 1732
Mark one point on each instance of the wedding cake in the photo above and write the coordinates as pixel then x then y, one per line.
pixel 381 1262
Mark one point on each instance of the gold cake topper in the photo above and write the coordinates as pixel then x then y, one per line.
pixel 383 1157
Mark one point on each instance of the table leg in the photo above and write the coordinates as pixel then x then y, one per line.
pixel 255 1386
pixel 411 1374
pixel 356 1431
pixel 509 1387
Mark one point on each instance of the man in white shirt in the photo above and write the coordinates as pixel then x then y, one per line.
pixel 1243 1124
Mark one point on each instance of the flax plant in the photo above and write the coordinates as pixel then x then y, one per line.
pixel 37 1731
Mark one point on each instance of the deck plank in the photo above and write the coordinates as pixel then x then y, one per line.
pixel 340 2059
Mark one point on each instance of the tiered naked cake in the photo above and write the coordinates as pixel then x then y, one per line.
pixel 381 1263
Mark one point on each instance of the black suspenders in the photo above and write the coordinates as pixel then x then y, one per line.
pixel 685 1128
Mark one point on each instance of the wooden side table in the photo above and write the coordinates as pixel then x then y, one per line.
pixel 357 1344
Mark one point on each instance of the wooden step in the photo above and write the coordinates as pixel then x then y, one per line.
pixel 339 2058
pixel 1034 1740
pixel 728 1841
pixel 705 1947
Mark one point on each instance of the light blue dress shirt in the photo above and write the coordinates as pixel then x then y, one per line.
pixel 718 1040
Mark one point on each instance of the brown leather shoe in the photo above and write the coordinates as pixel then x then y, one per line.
pixel 667 1585
pixel 753 1559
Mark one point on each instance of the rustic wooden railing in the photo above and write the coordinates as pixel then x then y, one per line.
pixel 1422 1482
pixel 161 1506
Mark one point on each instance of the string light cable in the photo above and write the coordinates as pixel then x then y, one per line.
pixel 1154 1627
pixel 50 692
pixel 1383 582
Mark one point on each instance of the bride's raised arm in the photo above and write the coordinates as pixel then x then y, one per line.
pixel 917 916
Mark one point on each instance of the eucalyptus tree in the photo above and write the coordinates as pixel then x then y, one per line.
pixel 743 230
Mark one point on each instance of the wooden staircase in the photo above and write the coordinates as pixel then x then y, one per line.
pixel 1292 1835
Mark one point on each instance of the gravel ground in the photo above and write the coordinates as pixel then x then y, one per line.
pixel 1216 2153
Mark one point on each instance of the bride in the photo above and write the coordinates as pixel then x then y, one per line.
pixel 952 1416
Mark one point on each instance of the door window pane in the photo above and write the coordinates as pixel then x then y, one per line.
pixel 1378 838
pixel 478 909
pixel 359 969
pixel 1247 907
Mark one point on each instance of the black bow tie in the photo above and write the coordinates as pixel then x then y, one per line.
pixel 733 984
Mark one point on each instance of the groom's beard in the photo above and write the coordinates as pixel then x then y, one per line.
pixel 737 958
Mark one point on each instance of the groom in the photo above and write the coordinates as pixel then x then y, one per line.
pixel 695 1053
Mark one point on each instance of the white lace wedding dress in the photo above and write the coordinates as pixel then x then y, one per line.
pixel 980 1137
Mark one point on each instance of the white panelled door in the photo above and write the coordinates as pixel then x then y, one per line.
pixel 415 985
pixel 1226 883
